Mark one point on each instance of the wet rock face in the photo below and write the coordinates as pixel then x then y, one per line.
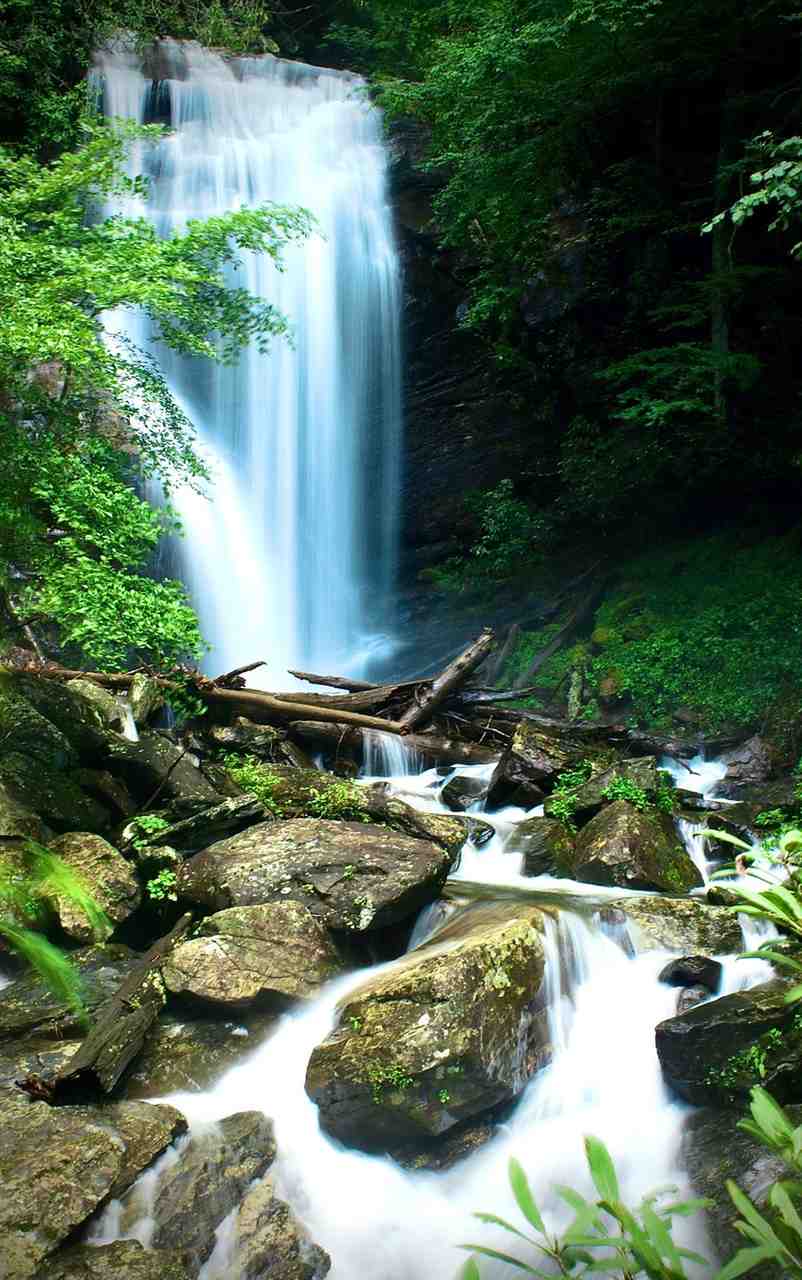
pixel 715 1150
pixel 543 842
pixel 248 956
pixel 213 1170
pixel 716 1052
pixel 681 924
pixel 57 1164
pixel 154 762
pixel 634 850
pixel 27 1006
pixel 747 765
pixel 692 971
pixel 455 1028
pixel 106 874
pixel 123 1260
pixel 189 1055
pixel 533 763
pixel 463 791
pixel 350 875
pixel 270 1244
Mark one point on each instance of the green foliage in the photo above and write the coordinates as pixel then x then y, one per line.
pixel 94 421
pixel 162 887
pixel 625 789
pixel 708 626
pixel 381 1077
pixel 563 799
pixel 144 827
pixel 342 800
pixel 510 537
pixel 28 887
pixel 182 697
pixel 776 186
pixel 256 778
pixel 633 1242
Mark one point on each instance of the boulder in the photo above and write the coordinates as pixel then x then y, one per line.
pixel 543 843
pixel 714 1151
pixel 109 708
pixel 106 875
pixel 748 765
pixel 188 1055
pixel 146 698
pixel 73 715
pixel 26 732
pixel 249 956
pixel 270 1244
pixel 201 829
pixel 28 1006
pixel 692 971
pixel 243 737
pixel 451 1030
pixel 154 763
pixel 443 829
pixel 214 1169
pixel 716 1052
pixel 53 794
pixel 592 795
pixel 351 875
pixel 123 1260
pixel 681 924
pixel 530 767
pixel 463 790
pixel 632 849
pixel 58 1164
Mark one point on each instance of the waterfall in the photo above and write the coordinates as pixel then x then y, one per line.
pixel 293 558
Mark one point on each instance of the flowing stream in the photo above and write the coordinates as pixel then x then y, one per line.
pixel 381 1222
pixel 294 559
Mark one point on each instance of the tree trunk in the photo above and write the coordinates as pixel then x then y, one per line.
pixel 449 680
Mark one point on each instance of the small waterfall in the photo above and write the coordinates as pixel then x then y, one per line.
pixel 388 756
pixel 293 558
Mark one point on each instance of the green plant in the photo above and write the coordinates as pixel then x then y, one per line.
pixel 253 776
pixel 443 1096
pixel 633 1242
pixel 143 827
pixel 381 1077
pixel 626 789
pixel 182 697
pixel 162 888
pixel 342 800
pixel 563 799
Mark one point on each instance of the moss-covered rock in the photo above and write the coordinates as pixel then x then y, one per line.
pixel 249 956
pixel 154 763
pixel 76 718
pixel 450 1031
pixel 122 1260
pixel 52 793
pixel 269 1242
pixel 146 697
pixel 534 761
pixel 351 875
pixel 108 707
pixel 28 733
pixel 107 876
pixel 680 924
pixel 196 832
pixel 544 844
pixel 28 1006
pixel 632 849
pixel 641 774
pixel 716 1052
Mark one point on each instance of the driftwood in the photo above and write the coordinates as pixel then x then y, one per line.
pixel 352 742
pixel 449 680
pixel 121 1024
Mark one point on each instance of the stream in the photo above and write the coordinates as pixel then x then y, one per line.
pixel 379 1221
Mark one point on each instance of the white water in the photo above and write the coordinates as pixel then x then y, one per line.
pixel 294 558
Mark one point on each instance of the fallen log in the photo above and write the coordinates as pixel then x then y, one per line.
pixel 333 682
pixel 431 746
pixel 449 680
pixel 121 1024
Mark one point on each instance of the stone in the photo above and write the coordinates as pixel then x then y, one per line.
pixel 351 875
pixel 146 1129
pixel 640 772
pixel 201 829
pixel 122 1260
pixel 106 875
pixel 154 763
pixel 188 1055
pixel 28 1006
pixel 632 849
pixel 146 698
pixel 68 712
pixel 463 790
pixel 681 924
pixel 27 732
pixel 530 767
pixel 692 971
pixel 249 956
pixel 449 1032
pixel 109 708
pixel 443 829
pixel 543 843
pixel 714 1151
pixel 215 1167
pixel 244 737
pixel 750 764
pixel 689 997
pixel 52 793
pixel 715 1053
pixel 270 1244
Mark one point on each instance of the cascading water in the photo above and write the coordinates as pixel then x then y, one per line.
pixel 293 558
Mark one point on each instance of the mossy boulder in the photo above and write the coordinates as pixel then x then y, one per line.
pixel 25 731
pixel 631 849
pixel 146 697
pixel 75 718
pixel 107 876
pixel 688 925
pixel 58 1164
pixel 450 1031
pixel 544 843
pixel 716 1052
pixel 52 793
pixel 351 875
pixel 188 1055
pixel 122 1260
pixel 154 763
pixel 593 794
pixel 531 766
pixel 463 790
pixel 190 835
pixel 243 737
pixel 249 956
pixel 109 708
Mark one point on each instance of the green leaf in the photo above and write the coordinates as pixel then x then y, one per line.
pixel 602 1168
pixel 523 1196
pixel 744 1260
